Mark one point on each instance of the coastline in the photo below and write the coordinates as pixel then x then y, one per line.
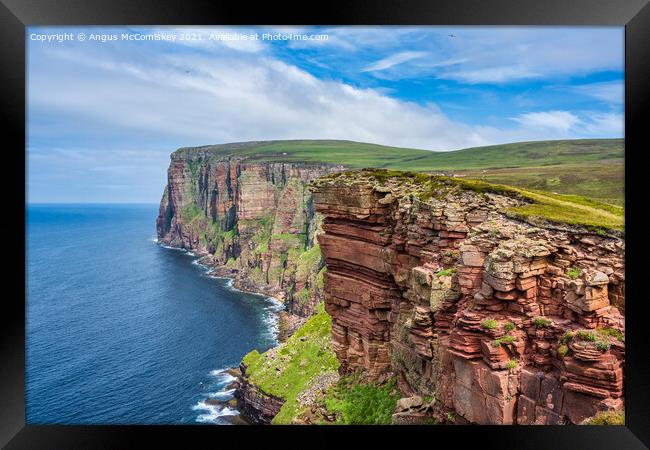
pixel 287 323
pixel 245 398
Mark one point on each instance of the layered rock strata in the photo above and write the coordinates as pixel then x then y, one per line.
pixel 502 321
pixel 257 406
pixel 252 221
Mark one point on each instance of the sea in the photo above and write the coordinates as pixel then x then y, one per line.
pixel 123 330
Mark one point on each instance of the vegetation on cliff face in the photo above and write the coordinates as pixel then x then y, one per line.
pixel 254 222
pixel 357 403
pixel 606 418
pixel 292 369
pixel 295 367
pixel 289 369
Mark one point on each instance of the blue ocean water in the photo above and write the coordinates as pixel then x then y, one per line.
pixel 121 330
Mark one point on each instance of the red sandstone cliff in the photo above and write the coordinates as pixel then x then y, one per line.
pixel 502 321
pixel 253 221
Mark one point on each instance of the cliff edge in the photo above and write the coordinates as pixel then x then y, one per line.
pixel 475 294
pixel 251 221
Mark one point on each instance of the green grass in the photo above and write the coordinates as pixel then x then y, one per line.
pixel 525 154
pixel 586 336
pixel 291 240
pixel 562 350
pixel 588 167
pixel 566 337
pixel 606 418
pixel 503 340
pixel 308 262
pixel 320 279
pixel 192 212
pixel 262 235
pixel 231 263
pixel 356 403
pixel 359 154
pixel 352 154
pixel 599 180
pixel 611 332
pixel 303 295
pixel 296 363
pixel 212 232
pixel 511 364
pixel 541 322
pixel 489 324
pixel 545 206
pixel 446 272
pixel 573 272
pixel 603 346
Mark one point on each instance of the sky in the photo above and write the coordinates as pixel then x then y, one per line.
pixel 105 112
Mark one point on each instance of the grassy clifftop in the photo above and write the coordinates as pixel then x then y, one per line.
pixel 289 369
pixel 537 207
pixel 587 167
pixel 295 371
pixel 360 155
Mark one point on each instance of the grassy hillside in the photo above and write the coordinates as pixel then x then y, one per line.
pixel 523 154
pixel 589 167
pixel 355 155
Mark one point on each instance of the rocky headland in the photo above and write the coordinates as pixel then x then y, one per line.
pixel 253 222
pixel 450 300
pixel 250 221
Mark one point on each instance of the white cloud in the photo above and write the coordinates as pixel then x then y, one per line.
pixel 109 98
pixel 598 124
pixel 565 124
pixel 393 60
pixel 233 98
pixel 490 74
pixel 234 38
pixel 554 121
pixel 609 92
pixel 487 54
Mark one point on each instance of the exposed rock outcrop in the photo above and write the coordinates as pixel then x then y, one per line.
pixel 503 321
pixel 256 405
pixel 252 221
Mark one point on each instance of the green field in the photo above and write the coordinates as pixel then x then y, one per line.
pixel 592 168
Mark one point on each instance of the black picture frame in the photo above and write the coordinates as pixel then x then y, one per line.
pixel 16 15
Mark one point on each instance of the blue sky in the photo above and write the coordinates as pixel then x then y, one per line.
pixel 103 117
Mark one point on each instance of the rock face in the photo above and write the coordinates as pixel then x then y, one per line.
pixel 252 221
pixel 257 406
pixel 500 320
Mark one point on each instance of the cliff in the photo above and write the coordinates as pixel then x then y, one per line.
pixel 250 220
pixel 276 386
pixel 485 303
pixel 505 306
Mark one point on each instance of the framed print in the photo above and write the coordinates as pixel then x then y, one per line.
pixel 399 218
